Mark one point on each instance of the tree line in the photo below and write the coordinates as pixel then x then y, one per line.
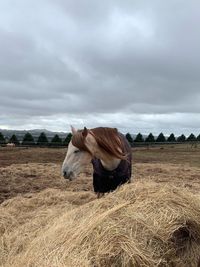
pixel 161 138
pixel 42 140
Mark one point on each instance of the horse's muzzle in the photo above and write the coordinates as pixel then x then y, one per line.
pixel 68 175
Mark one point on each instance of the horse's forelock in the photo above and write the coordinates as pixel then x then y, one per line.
pixel 78 140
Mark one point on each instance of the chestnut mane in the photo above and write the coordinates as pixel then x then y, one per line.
pixel 107 139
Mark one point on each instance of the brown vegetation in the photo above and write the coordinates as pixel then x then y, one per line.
pixel 142 224
pixel 48 222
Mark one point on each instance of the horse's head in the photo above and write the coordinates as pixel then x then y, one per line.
pixel 103 143
pixel 78 155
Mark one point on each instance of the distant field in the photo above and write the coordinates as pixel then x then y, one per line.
pixel 25 170
pixel 175 154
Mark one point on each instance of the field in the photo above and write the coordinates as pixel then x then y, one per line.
pixel 40 212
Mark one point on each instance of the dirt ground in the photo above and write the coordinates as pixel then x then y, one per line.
pixel 28 170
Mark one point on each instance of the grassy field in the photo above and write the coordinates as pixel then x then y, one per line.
pixel 25 170
pixel 172 154
pixel 49 222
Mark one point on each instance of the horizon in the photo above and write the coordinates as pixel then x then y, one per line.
pixel 132 133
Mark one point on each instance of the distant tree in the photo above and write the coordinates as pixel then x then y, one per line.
pixel 161 138
pixel 191 137
pixel 181 138
pixel 2 139
pixel 171 138
pixel 67 139
pixel 28 139
pixel 139 138
pixel 150 138
pixel 42 139
pixel 129 138
pixel 14 140
pixel 56 140
pixel 198 137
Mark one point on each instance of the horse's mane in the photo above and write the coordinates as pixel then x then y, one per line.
pixel 108 139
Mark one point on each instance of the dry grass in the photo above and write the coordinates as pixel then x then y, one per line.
pixel 180 175
pixel 46 222
pixel 35 177
pixel 141 224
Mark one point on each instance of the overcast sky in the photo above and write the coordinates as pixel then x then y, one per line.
pixel 134 65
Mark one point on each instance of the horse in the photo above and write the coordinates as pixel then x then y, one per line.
pixel 109 152
pixel 10 144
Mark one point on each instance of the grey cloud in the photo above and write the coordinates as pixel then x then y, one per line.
pixel 71 59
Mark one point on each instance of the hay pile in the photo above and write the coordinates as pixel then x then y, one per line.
pixel 141 224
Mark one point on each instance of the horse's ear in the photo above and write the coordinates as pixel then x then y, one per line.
pixel 85 132
pixel 73 129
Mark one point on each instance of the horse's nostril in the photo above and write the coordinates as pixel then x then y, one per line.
pixel 68 175
pixel 65 174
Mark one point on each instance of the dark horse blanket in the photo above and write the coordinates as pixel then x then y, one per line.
pixel 107 181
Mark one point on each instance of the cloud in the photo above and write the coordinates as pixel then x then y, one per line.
pixel 132 65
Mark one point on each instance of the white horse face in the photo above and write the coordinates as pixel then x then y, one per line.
pixel 74 162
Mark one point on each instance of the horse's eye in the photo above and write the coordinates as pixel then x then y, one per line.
pixel 76 151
